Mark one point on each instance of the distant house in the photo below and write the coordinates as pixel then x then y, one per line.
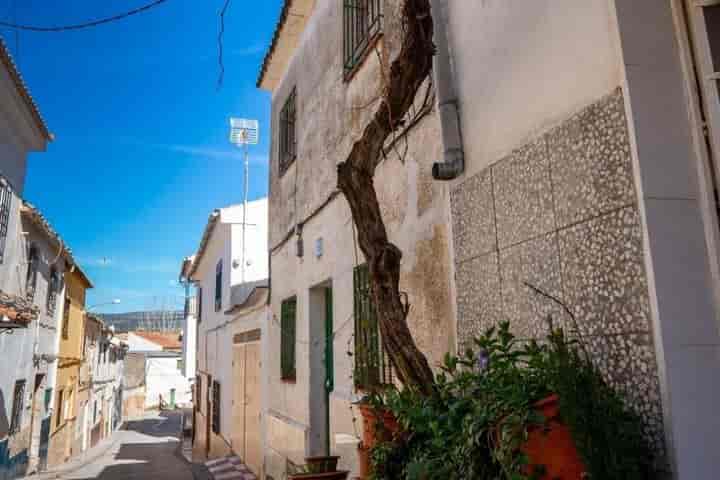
pixel 227 321
pixel 165 384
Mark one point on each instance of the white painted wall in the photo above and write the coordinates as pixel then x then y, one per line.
pixel 163 375
pixel 522 66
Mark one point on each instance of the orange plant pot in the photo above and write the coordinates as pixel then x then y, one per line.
pixel 371 418
pixel 552 445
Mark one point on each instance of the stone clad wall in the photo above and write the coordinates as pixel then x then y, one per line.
pixel 561 213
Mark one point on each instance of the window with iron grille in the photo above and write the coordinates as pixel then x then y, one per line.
pixel 218 286
pixel 59 409
pixel 32 271
pixel 216 407
pixel 199 305
pixel 66 319
pixel 5 203
pixel 208 396
pixel 53 287
pixel 372 365
pixel 362 25
pixel 288 140
pixel 288 311
pixel 18 405
pixel 198 392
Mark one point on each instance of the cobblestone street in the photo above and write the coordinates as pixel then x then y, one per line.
pixel 148 448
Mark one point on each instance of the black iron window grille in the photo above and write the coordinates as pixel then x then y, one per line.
pixel 362 25
pixel 52 291
pixel 218 286
pixel 5 203
pixel 216 407
pixel 288 311
pixel 66 319
pixel 198 392
pixel 372 365
pixel 199 304
pixel 32 271
pixel 288 139
pixel 18 405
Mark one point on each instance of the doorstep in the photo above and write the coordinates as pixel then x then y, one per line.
pixel 229 468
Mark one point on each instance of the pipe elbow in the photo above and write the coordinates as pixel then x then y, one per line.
pixel 451 168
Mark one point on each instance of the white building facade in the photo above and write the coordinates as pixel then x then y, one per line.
pixel 229 272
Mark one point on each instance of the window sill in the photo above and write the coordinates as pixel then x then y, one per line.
pixel 348 75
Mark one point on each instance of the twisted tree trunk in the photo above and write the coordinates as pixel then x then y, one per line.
pixel 407 73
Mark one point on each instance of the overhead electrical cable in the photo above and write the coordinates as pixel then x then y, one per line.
pixel 80 26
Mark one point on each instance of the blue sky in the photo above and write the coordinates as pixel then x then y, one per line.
pixel 141 155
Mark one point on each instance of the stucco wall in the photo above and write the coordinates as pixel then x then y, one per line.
pixel 163 375
pixel 522 67
pixel 329 117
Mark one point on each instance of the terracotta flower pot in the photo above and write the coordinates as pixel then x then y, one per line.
pixel 322 464
pixel 371 419
pixel 363 461
pixel 552 445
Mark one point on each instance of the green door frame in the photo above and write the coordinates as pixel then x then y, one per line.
pixel 329 360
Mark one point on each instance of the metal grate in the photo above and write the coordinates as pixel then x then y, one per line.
pixel 52 291
pixel 199 304
pixel 5 203
pixel 287 339
pixel 288 140
pixel 362 24
pixel 372 365
pixel 32 271
pixel 66 319
pixel 18 404
pixel 218 285
pixel 198 392
pixel 216 407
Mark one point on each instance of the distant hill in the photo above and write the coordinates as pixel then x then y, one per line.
pixel 158 321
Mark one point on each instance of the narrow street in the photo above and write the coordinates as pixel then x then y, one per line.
pixel 148 448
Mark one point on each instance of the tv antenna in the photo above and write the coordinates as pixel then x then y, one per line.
pixel 244 132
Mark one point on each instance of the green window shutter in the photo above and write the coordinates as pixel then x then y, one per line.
pixel 287 339
pixel 372 368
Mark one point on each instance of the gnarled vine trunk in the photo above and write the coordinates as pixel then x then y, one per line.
pixel 407 73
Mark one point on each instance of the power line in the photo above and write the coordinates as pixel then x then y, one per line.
pixel 80 26
pixel 220 44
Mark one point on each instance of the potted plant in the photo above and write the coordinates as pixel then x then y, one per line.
pixel 317 468
pixel 511 409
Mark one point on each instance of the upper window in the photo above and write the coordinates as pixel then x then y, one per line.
pixel 66 319
pixel 17 408
pixel 218 286
pixel 199 304
pixel 52 291
pixel 363 24
pixel 32 271
pixel 288 140
pixel 372 365
pixel 5 201
pixel 288 310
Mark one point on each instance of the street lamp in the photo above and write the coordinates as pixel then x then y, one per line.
pixel 115 301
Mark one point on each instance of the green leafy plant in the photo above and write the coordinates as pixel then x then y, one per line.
pixel 475 424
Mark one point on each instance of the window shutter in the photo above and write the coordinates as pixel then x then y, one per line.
pixel 287 339
pixel 218 286
pixel 66 319
pixel 216 407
